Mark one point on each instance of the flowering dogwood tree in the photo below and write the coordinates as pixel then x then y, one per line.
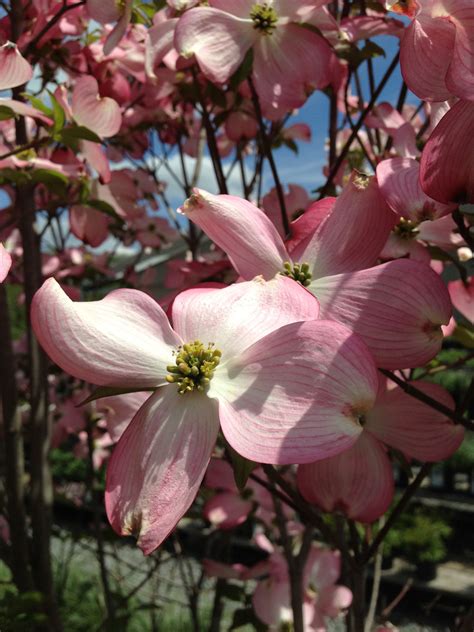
pixel 225 342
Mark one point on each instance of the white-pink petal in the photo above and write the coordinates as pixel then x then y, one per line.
pixel 403 422
pixel 14 69
pixel 217 39
pixel 358 482
pixel 159 463
pixel 123 340
pixel 292 396
pixel 242 230
pixel 397 308
pixel 235 317
pixel 100 114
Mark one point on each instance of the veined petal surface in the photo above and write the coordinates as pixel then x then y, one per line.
pixel 242 230
pixel 292 396
pixel 159 463
pixel 397 308
pixel 414 428
pixel 123 340
pixel 358 482
pixel 235 317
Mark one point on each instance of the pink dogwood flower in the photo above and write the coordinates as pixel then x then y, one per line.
pixel 289 60
pixel 359 482
pixel 100 114
pixel 250 358
pixel 397 308
pixel 421 220
pixel 322 596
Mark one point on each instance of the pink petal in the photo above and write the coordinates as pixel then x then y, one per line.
pixel 89 225
pixel 219 475
pixel 5 263
pixel 333 599
pixel 462 297
pixel 323 567
pixel 14 69
pixel 460 77
pixel 95 155
pixel 419 431
pixel 397 308
pixel 115 36
pixel 425 53
pixel 291 397
pixel 303 228
pixel 159 42
pixel 446 174
pixel 103 11
pixel 227 510
pixel 333 248
pixel 119 411
pixel 25 110
pixel 240 8
pixel 159 463
pixel 101 115
pixel 288 65
pixel 358 482
pixel 399 182
pixel 242 230
pixel 237 316
pixel 271 601
pixel 217 39
pixel 123 340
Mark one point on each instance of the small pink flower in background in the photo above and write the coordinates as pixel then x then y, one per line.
pixel 5 263
pixel 322 596
pixel 153 231
pixel 289 61
pixel 254 348
pixel 14 69
pixel 422 220
pixel 359 482
pixel 436 50
pixel 398 307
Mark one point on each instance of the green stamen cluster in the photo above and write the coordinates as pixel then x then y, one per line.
pixel 194 368
pixel 406 228
pixel 298 272
pixel 264 17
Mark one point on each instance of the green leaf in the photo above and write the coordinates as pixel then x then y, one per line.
pixel 6 113
pixel 241 466
pixel 108 391
pixel 78 132
pixel 55 181
pixel 39 105
pixel 464 335
pixel 59 116
pixel 105 207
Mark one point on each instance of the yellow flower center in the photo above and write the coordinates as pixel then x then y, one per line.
pixel 406 229
pixel 264 17
pixel 194 367
pixel 298 272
